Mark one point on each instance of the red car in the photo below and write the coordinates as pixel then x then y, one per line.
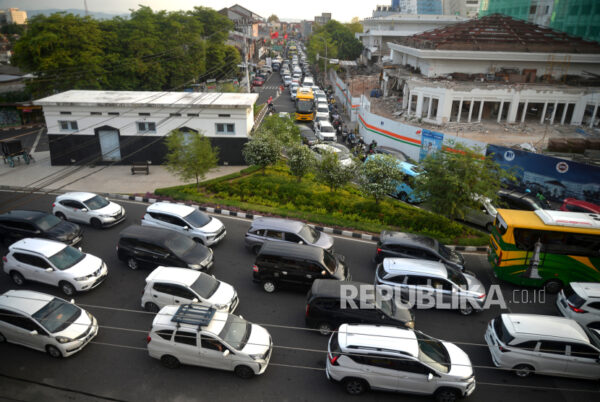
pixel 575 205
pixel 258 81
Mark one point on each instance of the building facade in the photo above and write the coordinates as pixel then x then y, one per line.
pixel 123 127
pixel 323 19
pixel 16 16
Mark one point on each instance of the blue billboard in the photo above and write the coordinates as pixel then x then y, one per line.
pixel 431 142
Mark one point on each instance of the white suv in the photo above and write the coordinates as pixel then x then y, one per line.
pixel 544 344
pixel 44 322
pixel 54 263
pixel 88 208
pixel 365 357
pixel 167 285
pixel 325 131
pixel 580 301
pixel 189 221
pixel 203 336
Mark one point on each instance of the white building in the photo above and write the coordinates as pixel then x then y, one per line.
pixel 122 127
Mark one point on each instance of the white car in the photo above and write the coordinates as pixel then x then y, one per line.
pixel 308 81
pixel 169 285
pixel 580 301
pixel 344 156
pixel 287 80
pixel 43 322
pixel 88 208
pixel 293 90
pixel 543 344
pixel 203 336
pixel 189 221
pixel 53 263
pixel 363 357
pixel 322 112
pixel 325 131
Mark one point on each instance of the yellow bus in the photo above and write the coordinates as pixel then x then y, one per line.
pixel 545 248
pixel 305 104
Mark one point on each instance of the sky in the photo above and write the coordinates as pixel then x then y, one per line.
pixel 341 10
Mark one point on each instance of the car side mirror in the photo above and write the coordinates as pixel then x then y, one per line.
pixel 226 353
pixel 84 210
pixel 323 272
pixel 300 242
pixel 429 377
pixel 33 333
pixel 186 228
pixel 49 269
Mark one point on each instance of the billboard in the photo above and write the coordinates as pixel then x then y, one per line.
pixel 431 142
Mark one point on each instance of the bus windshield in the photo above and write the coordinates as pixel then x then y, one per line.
pixel 304 106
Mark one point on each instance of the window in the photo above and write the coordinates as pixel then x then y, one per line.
pixel 193 114
pixel 143 114
pixel 381 362
pixel 211 343
pixel 292 237
pixel 18 320
pixel 165 334
pixel 68 125
pixel 558 242
pixel 274 234
pixel 224 115
pixel 163 288
pixel 183 292
pixel 225 128
pixel 31 260
pixel 584 351
pixel 557 348
pixel 65 113
pixel 96 113
pixel 410 366
pixel 595 305
pixel 146 127
pixel 188 338
pixel 113 113
pixel 527 345
pixel 417 281
pixel 174 114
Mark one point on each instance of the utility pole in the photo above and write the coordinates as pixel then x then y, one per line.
pixel 247 65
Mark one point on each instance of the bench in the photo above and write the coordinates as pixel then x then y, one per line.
pixel 140 167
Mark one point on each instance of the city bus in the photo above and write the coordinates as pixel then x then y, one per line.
pixel 305 104
pixel 545 248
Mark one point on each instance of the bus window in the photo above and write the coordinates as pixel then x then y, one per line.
pixel 500 225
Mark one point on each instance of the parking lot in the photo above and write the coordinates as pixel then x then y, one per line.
pixel 116 365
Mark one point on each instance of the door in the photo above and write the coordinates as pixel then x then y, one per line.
pixel 162 294
pixel 34 268
pixel 74 210
pixel 182 295
pixel 412 377
pixel 211 354
pixel 583 361
pixel 17 329
pixel 185 347
pixel 110 146
pixel 380 372
pixel 552 358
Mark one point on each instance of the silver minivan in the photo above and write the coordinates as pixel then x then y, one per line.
pixel 285 230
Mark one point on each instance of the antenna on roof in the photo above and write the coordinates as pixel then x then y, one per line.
pixel 86 7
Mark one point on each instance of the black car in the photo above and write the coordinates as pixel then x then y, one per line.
pixel 143 246
pixel 326 311
pixel 19 224
pixel 409 245
pixel 399 155
pixel 521 201
pixel 296 265
pixel 308 135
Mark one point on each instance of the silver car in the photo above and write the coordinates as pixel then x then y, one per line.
pixel 277 229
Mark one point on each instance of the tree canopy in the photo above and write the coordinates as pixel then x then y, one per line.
pixel 190 155
pixel 379 176
pixel 341 43
pixel 273 18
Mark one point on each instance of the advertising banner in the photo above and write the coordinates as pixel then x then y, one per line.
pixel 431 142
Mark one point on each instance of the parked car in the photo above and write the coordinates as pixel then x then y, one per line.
pixel 580 301
pixel 21 224
pixel 399 155
pixel 454 289
pixel 293 91
pixel 575 205
pixel 169 285
pixel 308 81
pixel 325 131
pixel 543 344
pixel 54 263
pixel 344 155
pixel 202 336
pixel 322 112
pixel 46 323
pixel 308 136
pixel 143 246
pixel 521 201
pixel 280 264
pixel 258 81
pixel 326 311
pixel 363 357
pixel 287 80
pixel 186 220
pixel 284 230
pixel 483 216
pixel 88 208
pixel 409 245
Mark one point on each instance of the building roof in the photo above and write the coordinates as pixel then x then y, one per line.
pixel 497 32
pixel 149 98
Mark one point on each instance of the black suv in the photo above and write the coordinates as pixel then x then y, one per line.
pixel 521 201
pixel 150 247
pixel 409 245
pixel 326 311
pixel 19 224
pixel 296 265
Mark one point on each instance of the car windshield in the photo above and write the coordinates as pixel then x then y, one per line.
pixel 47 222
pixel 206 286
pixel 57 315
pixel 236 332
pixel 457 277
pixel 96 202
pixel 327 129
pixel 305 105
pixel 323 109
pixel 180 245
pixel 330 261
pixel 309 234
pixel 66 258
pixel 197 219
pixel 433 353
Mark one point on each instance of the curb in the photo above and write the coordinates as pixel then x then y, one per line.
pixel 244 215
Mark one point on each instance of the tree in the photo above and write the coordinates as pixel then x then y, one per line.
pixel 282 129
pixel 331 172
pixel 273 18
pixel 261 150
pixel 355 26
pixel 379 176
pixel 301 161
pixel 190 155
pixel 344 44
pixel 452 180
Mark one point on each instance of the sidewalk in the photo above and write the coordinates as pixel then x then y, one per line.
pixel 99 179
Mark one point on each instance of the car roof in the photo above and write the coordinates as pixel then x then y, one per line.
pixel 388 236
pixel 328 147
pixel 325 123
pixel 172 208
pixel 77 196
pixel 165 315
pixel 148 233
pixel 376 337
pixel 586 289
pixel 25 301
pixel 547 326
pixel 415 266
pixel 278 248
pixel 182 276
pixel 584 204
pixel 277 223
pixel 23 214
pixel 333 287
pixel 45 247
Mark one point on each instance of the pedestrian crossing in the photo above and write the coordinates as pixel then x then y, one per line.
pixel 271 87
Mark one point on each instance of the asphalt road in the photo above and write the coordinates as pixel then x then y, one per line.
pixel 116 364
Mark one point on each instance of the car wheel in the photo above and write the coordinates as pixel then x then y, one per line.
pixel 489 227
pixel 269 286
pixel 132 263
pixel 324 328
pixel 355 386
pixel 67 288
pixel 60 215
pixel 170 361
pixel 403 196
pixel 523 370
pixel 95 222
pixel 244 372
pixel 553 286
pixel 2 338
pixel 53 351
pixel 151 307
pixel 446 395
pixel 467 310
pixel 17 278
